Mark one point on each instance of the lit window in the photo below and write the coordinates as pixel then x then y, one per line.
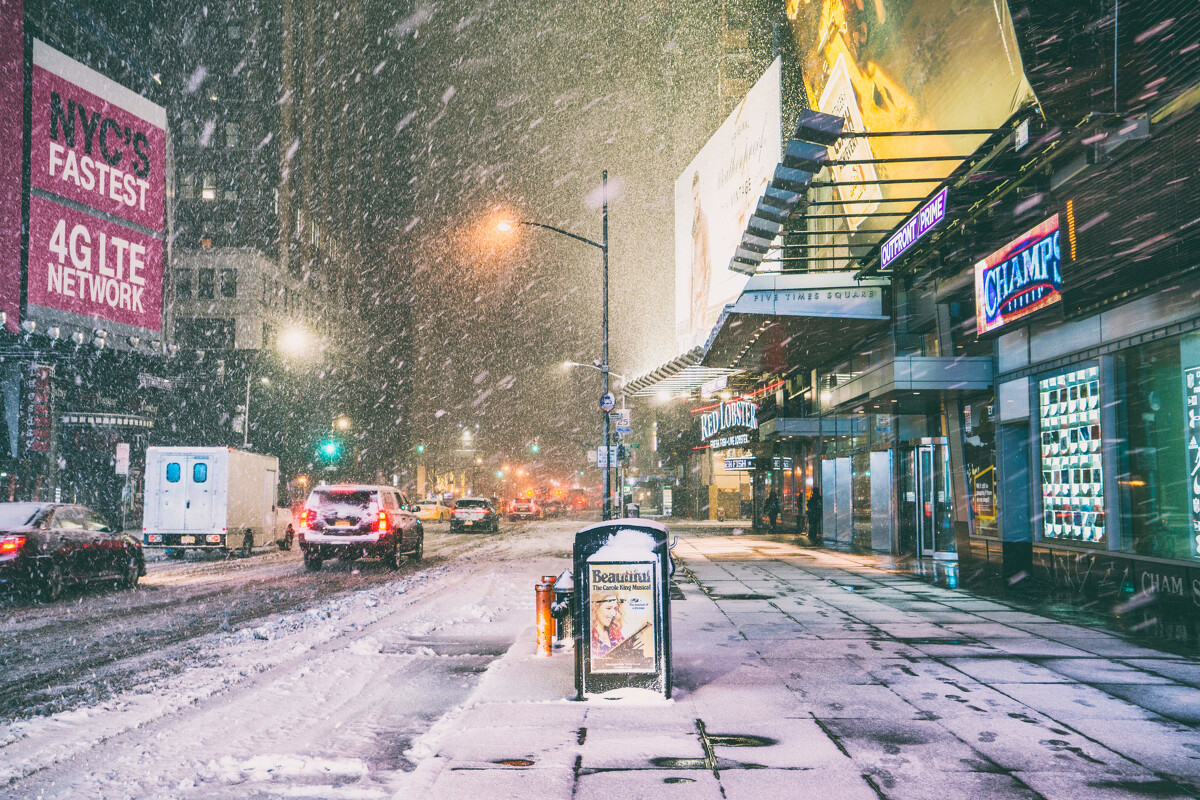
pixel 209 190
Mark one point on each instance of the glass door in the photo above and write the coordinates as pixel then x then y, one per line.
pixel 934 523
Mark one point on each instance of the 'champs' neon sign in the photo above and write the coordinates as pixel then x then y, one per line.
pixel 1019 279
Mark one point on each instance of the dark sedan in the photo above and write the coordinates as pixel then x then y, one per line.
pixel 49 546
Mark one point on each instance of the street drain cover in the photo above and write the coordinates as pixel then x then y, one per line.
pixel 514 762
pixel 679 780
pixel 740 740
pixel 741 596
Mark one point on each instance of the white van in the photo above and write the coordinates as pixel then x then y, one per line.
pixel 210 498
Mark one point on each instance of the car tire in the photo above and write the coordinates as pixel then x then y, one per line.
pixel 312 563
pixel 392 557
pixel 133 571
pixel 53 582
pixel 419 552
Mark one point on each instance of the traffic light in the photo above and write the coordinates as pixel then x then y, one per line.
pixel 421 448
pixel 533 448
pixel 330 449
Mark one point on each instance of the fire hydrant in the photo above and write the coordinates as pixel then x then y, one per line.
pixel 564 629
pixel 545 622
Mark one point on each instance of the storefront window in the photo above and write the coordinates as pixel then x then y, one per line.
pixel 1161 384
pixel 1073 506
pixel 979 440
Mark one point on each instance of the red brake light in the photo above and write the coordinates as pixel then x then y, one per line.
pixel 383 521
pixel 11 544
pixel 307 518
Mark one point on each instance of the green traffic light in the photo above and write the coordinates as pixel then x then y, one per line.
pixel 534 447
pixel 330 448
pixel 420 448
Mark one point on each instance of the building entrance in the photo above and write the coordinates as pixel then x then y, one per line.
pixel 926 511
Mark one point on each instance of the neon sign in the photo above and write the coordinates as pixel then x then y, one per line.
pixel 738 414
pixel 1019 279
pixel 917 226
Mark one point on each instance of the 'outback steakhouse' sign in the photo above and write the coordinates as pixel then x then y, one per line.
pixel 1019 279
pixel 98 189
pixel 917 226
pixel 738 414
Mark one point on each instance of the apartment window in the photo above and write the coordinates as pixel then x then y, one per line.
pixel 234 31
pixel 205 283
pixel 230 195
pixel 232 134
pixel 183 284
pixel 187 186
pixel 209 190
pixel 187 133
pixel 229 283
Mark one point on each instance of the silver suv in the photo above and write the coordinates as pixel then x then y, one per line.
pixel 349 521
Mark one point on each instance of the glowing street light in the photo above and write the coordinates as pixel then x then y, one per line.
pixel 602 365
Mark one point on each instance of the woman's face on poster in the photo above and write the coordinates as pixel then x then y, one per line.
pixel 608 611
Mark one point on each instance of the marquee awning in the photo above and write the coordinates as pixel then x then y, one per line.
pixel 785 322
pixel 681 375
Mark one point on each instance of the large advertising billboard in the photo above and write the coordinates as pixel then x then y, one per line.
pixel 96 210
pixel 905 65
pixel 714 198
pixel 12 151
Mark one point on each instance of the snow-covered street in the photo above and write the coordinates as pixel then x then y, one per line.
pixel 798 672
pixel 225 677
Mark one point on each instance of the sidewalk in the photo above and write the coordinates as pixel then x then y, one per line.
pixel 810 673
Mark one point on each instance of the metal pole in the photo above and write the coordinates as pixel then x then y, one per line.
pixel 246 415
pixel 606 512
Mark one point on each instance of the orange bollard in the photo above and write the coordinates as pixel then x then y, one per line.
pixel 545 621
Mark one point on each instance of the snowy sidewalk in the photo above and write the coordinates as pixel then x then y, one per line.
pixel 805 673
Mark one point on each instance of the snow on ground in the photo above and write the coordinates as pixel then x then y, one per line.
pixel 321 702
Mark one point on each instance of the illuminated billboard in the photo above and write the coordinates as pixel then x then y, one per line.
pixel 12 154
pixel 97 195
pixel 905 65
pixel 1019 279
pixel 714 198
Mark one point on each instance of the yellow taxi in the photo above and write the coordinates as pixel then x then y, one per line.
pixel 432 510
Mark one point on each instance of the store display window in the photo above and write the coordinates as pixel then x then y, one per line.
pixel 1073 502
pixel 1159 390
pixel 979 448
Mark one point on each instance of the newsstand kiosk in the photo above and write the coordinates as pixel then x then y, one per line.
pixel 622 570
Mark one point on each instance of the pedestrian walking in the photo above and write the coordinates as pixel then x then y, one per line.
pixel 814 511
pixel 771 509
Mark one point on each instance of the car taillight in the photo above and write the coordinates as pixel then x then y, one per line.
pixel 306 518
pixel 383 521
pixel 11 544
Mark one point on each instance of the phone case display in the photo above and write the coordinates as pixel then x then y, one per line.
pixel 1072 467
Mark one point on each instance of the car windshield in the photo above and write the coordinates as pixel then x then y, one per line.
pixel 348 502
pixel 471 504
pixel 17 515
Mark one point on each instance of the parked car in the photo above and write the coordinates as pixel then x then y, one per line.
pixel 49 546
pixel 349 521
pixel 475 513
pixel 524 508
pixel 432 509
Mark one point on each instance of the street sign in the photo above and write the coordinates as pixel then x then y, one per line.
pixel 603 451
pixel 622 419
pixel 608 402
pixel 122 459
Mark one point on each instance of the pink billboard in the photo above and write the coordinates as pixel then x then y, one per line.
pixel 85 265
pixel 96 142
pixel 12 149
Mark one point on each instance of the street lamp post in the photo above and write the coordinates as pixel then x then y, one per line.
pixel 623 380
pixel 606 512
